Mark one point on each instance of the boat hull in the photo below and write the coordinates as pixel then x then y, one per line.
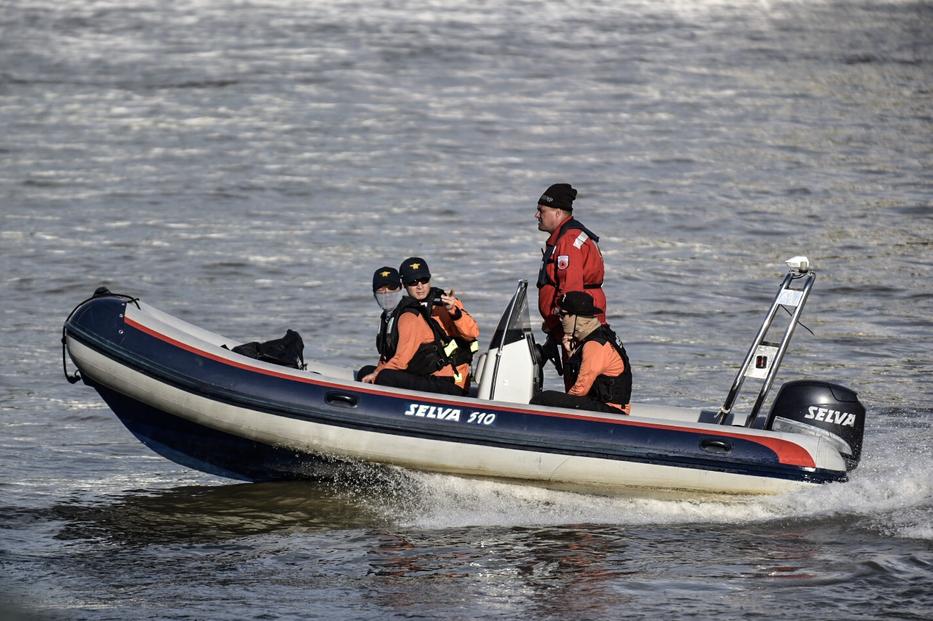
pixel 202 406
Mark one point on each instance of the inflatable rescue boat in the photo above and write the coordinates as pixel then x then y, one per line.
pixel 183 393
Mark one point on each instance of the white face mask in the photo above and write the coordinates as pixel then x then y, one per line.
pixel 389 299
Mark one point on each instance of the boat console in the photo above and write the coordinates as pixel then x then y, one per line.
pixel 511 370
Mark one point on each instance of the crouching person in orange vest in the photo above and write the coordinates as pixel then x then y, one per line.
pixel 597 370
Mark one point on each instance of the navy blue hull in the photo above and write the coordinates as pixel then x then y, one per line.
pixel 211 451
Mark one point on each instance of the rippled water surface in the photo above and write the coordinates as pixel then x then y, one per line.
pixel 246 165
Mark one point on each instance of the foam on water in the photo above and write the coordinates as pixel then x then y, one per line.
pixel 898 507
pixel 891 492
pixel 904 510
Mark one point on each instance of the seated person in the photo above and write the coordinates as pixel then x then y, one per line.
pixel 387 289
pixel 597 371
pixel 432 338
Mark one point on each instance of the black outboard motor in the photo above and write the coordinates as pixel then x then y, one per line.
pixel 823 410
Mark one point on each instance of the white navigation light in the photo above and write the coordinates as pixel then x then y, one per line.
pixel 799 264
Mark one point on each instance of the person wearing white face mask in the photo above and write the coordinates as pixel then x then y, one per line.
pixel 387 289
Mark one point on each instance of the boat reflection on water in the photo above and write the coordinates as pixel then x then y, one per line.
pixel 200 514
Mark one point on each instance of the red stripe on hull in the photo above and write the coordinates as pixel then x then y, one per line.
pixel 787 452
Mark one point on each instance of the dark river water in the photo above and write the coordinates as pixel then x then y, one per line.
pixel 246 165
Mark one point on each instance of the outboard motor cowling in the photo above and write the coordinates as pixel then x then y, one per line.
pixel 824 410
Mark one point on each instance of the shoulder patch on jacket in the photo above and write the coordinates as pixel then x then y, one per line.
pixel 580 240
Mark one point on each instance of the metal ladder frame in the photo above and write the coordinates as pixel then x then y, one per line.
pixel 785 297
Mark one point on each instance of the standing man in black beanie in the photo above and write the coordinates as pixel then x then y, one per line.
pixel 571 261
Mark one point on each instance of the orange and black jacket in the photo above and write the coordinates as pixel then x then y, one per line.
pixel 460 326
pixel 599 369
pixel 440 343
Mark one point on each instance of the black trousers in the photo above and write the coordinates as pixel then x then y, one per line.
pixel 557 399
pixel 404 379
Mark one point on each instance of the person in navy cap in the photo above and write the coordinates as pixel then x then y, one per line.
pixel 387 289
pixel 431 340
pixel 597 370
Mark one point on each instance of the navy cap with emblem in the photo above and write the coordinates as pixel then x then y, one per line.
pixel 386 277
pixel 414 268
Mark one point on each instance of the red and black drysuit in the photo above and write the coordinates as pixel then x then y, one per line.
pixel 571 261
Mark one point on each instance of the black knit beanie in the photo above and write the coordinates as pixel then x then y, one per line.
pixel 559 195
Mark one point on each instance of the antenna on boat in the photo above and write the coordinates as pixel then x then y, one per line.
pixel 764 357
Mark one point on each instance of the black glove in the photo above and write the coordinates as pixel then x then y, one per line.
pixel 551 351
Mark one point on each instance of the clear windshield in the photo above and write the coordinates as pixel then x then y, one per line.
pixel 516 322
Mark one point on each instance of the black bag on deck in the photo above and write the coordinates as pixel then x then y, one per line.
pixel 287 351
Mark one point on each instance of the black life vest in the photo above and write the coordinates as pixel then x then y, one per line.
pixel 547 255
pixel 462 352
pixel 429 357
pixel 605 388
pixel 386 321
